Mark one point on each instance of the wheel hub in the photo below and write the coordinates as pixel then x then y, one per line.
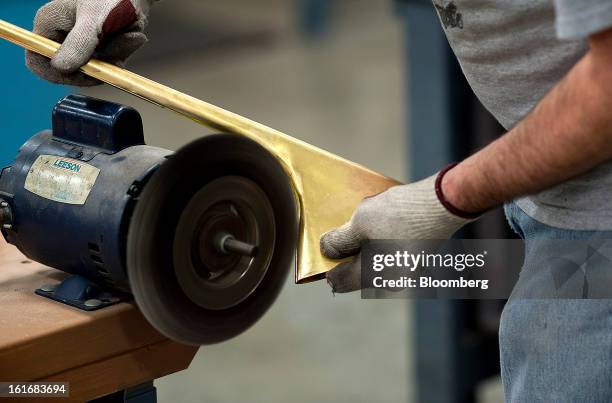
pixel 228 209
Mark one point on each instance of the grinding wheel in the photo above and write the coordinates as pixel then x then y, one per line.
pixel 212 239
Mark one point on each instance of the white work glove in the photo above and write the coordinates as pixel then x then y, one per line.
pixel 413 211
pixel 110 30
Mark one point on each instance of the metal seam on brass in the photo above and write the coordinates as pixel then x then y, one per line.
pixel 328 187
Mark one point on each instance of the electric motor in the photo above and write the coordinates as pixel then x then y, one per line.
pixel 203 238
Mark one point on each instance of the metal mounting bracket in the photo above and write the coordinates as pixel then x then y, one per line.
pixel 81 293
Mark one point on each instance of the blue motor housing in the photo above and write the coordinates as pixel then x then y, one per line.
pixel 67 199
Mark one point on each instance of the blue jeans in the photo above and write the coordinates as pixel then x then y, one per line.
pixel 554 350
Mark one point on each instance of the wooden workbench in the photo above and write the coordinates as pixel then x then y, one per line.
pixel 98 352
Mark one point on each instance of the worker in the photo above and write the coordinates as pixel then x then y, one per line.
pixel 544 70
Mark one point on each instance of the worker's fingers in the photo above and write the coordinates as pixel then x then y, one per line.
pixel 78 47
pixel 54 20
pixel 345 277
pixel 41 66
pixel 120 47
pixel 115 51
pixel 341 242
pixel 95 22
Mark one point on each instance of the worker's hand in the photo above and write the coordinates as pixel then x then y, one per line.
pixel 110 30
pixel 413 211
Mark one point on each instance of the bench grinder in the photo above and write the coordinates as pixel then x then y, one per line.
pixel 203 238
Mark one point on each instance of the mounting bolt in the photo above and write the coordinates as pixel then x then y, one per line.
pixel 6 215
pixel 134 190
pixel 92 303
pixel 48 288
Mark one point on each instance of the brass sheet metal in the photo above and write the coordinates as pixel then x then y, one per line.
pixel 327 186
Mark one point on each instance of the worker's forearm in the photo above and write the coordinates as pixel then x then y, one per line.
pixel 568 133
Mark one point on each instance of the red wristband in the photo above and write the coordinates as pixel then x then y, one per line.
pixel 447 205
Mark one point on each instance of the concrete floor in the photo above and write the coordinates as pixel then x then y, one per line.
pixel 344 93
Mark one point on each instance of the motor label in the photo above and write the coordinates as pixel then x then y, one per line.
pixel 61 179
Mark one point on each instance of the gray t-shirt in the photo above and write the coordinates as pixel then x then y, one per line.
pixel 512 53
